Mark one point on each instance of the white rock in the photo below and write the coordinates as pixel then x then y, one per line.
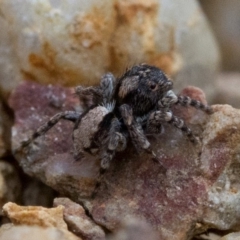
pixel 72 42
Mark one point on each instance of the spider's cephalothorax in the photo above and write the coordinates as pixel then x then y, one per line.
pixel 141 88
pixel 137 103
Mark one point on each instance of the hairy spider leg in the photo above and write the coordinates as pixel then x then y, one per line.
pixel 135 129
pixel 170 98
pixel 187 101
pixel 110 143
pixel 67 115
pixel 164 115
pixel 160 116
pixel 89 96
pixel 93 96
pixel 108 85
pixel 110 140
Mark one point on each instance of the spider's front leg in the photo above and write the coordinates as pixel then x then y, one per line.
pixel 160 116
pixel 187 101
pixel 67 115
pixel 135 129
pixel 170 98
pixel 163 114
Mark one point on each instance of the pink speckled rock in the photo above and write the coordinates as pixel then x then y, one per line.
pixel 175 194
pixel 50 157
pixel 78 222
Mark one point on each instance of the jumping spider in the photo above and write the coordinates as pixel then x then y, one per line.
pixel 131 106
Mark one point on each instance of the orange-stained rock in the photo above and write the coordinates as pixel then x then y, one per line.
pixel 35 216
pixel 76 42
pixel 33 221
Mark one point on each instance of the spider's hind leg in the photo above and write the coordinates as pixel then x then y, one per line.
pixel 67 115
pixel 107 84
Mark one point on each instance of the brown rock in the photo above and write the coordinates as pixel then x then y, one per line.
pixel 178 195
pixel 47 101
pixel 32 216
pixel 220 163
pixel 78 222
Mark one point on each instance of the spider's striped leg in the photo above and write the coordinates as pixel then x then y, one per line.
pixel 187 101
pixel 158 117
pixel 67 115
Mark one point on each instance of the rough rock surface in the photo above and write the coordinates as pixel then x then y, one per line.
pixel 77 220
pixel 59 167
pixel 77 41
pixel 220 163
pixel 189 189
pixel 48 219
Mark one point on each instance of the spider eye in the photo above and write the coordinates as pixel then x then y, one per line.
pixel 153 86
